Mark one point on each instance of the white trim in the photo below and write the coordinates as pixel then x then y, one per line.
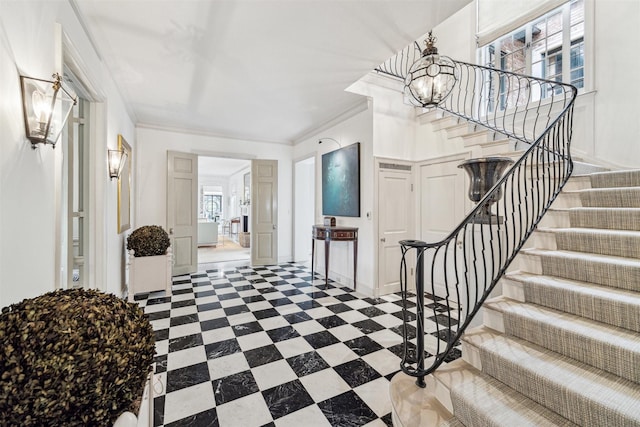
pixel 225 155
pixel 202 132
pixel 382 80
pixel 66 54
pixel 314 156
pixel 462 155
pixel 85 27
pixel 359 107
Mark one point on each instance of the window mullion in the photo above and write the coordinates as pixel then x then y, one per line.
pixel 528 50
pixel 566 42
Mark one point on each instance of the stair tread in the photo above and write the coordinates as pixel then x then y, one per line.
pixel 609 218
pixel 602 345
pixel 623 295
pixel 597 209
pixel 625 177
pixel 576 381
pixel 609 259
pixel 588 328
pixel 496 401
pixel 604 189
pixel 582 230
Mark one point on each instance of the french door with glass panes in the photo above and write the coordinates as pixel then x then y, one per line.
pixel 77 197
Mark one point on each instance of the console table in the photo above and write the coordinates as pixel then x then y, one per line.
pixel 329 234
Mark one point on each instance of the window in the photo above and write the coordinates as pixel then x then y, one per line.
pixel 77 195
pixel 212 205
pixel 550 47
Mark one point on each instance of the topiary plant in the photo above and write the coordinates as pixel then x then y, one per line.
pixel 72 357
pixel 148 240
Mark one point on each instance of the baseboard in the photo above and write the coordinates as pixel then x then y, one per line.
pixel 340 278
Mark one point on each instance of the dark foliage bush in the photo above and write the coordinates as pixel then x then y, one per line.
pixel 148 240
pixel 72 357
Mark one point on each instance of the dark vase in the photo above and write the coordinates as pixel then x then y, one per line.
pixel 483 173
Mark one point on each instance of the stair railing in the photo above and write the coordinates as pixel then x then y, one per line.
pixel 459 272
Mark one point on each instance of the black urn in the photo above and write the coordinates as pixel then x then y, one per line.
pixel 483 173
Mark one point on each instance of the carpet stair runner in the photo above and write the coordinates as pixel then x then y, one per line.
pixel 561 346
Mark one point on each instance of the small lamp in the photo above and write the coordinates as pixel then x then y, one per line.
pixel 46 106
pixel 116 163
pixel 329 139
pixel 431 78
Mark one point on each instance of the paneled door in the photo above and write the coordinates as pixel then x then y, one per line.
pixel 264 212
pixel 395 222
pixel 443 204
pixel 182 206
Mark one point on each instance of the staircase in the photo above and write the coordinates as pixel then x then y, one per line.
pixel 561 346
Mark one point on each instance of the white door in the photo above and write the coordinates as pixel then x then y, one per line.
pixel 395 223
pixel 182 207
pixel 264 212
pixel 443 204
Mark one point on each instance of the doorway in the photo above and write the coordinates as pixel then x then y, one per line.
pixel 223 214
pixel 395 220
pixel 304 208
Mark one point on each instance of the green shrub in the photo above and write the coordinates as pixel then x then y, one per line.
pixel 72 357
pixel 148 240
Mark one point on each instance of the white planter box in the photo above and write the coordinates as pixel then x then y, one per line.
pixel 145 413
pixel 149 274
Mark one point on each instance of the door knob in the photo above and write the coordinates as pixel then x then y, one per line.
pixel 383 239
pixel 274 226
pixel 171 230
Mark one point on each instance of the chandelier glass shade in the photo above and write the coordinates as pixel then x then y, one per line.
pixel 431 78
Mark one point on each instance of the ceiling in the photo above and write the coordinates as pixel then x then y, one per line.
pixel 259 70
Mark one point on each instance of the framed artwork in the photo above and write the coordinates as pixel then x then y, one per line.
pixel 341 182
pixel 124 188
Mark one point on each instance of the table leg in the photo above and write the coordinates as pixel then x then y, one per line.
pixel 326 262
pixel 355 262
pixel 313 257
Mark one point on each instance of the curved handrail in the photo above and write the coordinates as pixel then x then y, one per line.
pixel 463 268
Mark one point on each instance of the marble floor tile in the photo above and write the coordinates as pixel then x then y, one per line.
pixel 188 401
pixel 270 346
pixel 324 384
pixel 249 410
pixel 227 365
pixel 234 386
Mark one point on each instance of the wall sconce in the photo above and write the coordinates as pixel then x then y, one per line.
pixel 46 106
pixel 431 78
pixel 116 163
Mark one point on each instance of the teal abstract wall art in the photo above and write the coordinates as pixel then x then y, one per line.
pixel 341 182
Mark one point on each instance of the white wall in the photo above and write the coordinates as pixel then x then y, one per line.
pixel 29 179
pixel 357 128
pixel 303 208
pixel 152 173
pixel 617 100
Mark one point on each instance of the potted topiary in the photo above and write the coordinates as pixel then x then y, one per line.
pixel 149 260
pixel 73 357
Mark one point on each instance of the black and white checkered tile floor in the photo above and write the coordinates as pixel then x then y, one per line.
pixel 269 346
